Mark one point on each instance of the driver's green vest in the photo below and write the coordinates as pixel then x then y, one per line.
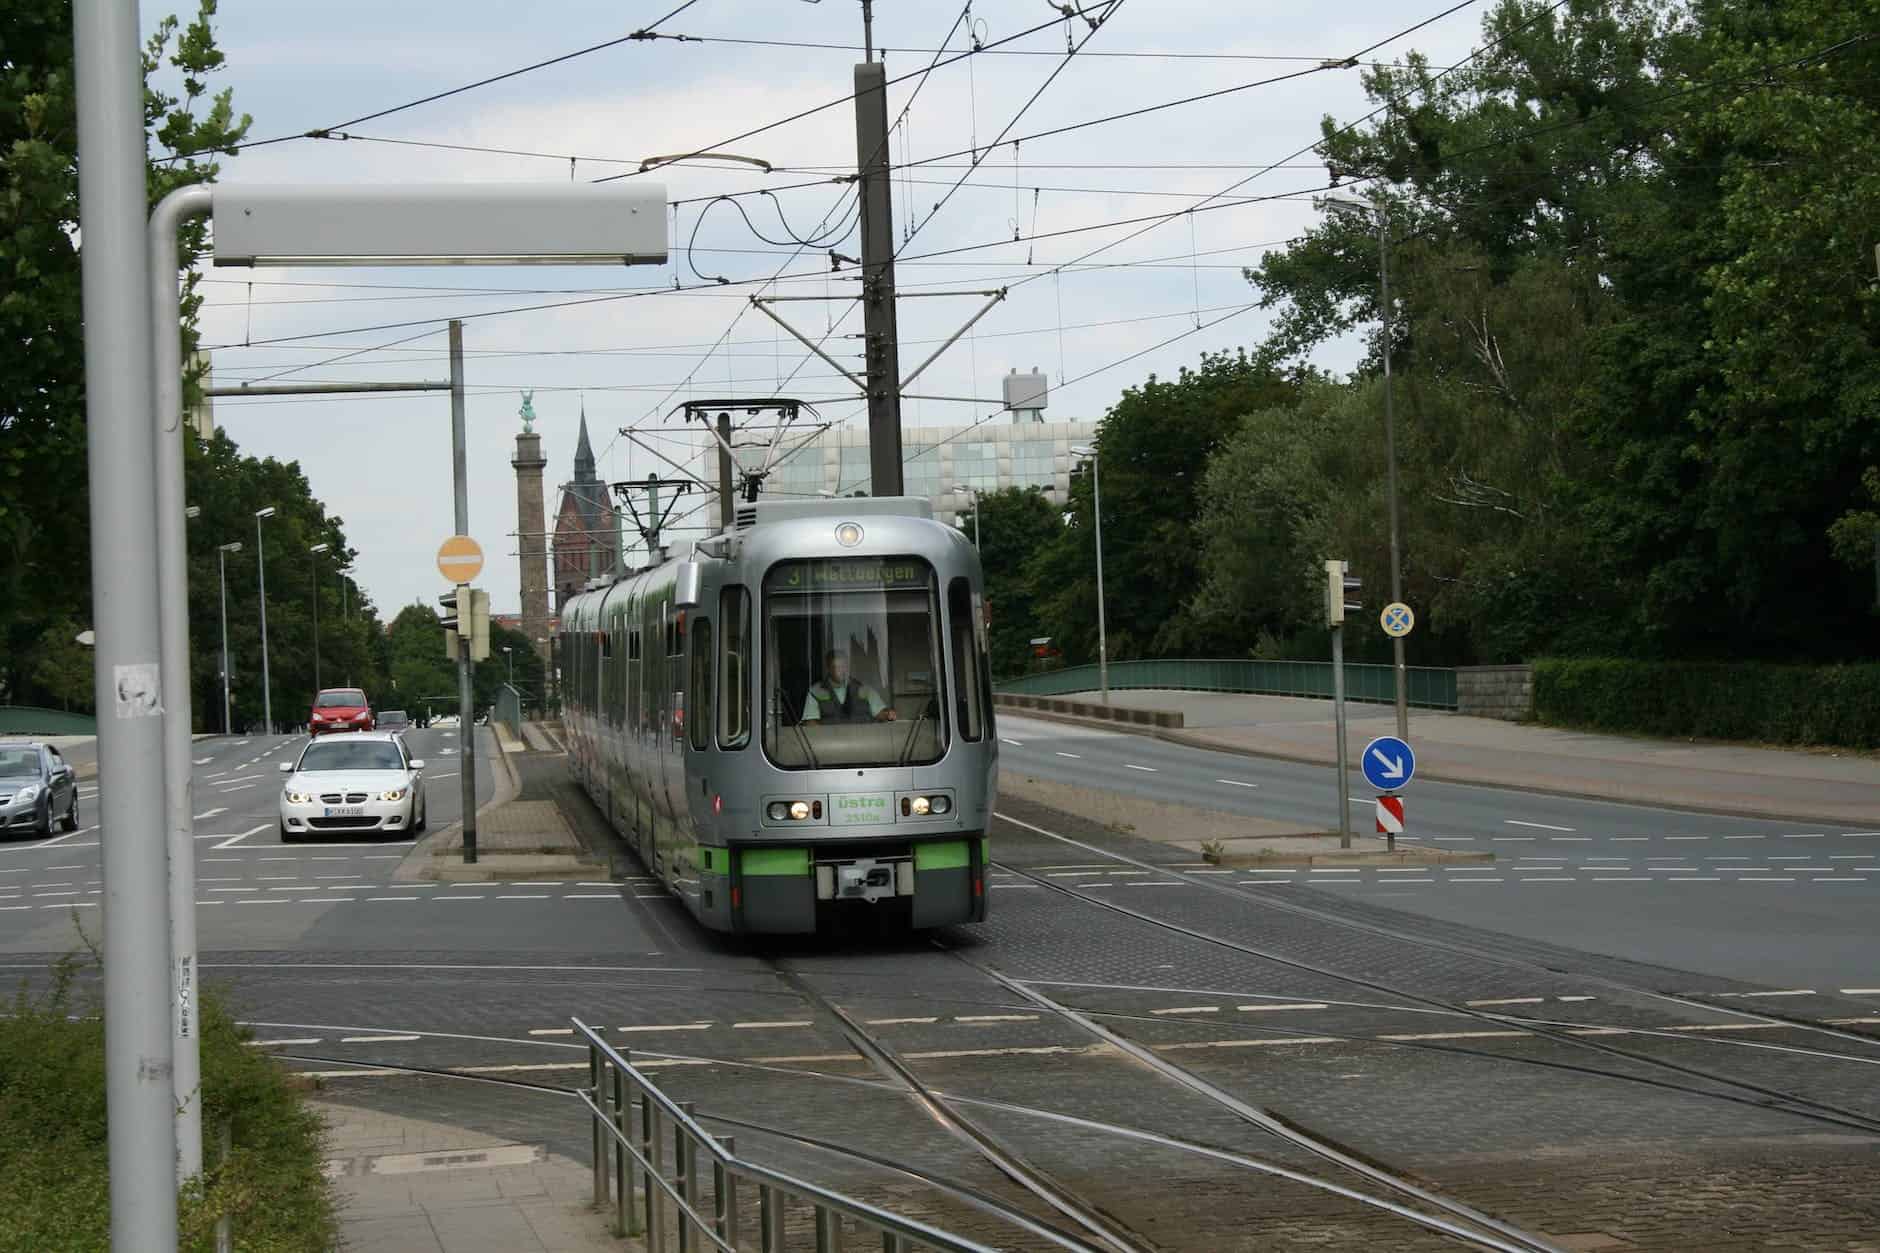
pixel 852 708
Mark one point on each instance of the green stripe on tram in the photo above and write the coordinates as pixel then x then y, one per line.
pixel 941 855
pixel 775 861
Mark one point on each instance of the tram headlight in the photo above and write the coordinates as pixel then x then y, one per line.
pixel 941 804
pixel 799 810
pixel 778 811
pixel 921 806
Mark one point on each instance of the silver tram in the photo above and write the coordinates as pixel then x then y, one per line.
pixel 794 719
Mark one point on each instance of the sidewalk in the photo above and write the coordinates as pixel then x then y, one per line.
pixel 1719 778
pixel 408 1186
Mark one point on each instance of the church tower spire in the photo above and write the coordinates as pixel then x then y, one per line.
pixel 584 452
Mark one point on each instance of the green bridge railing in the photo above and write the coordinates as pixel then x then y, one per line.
pixel 29 720
pixel 1427 687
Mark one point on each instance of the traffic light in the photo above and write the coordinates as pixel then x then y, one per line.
pixel 479 632
pixel 466 617
pixel 1341 592
pixel 458 619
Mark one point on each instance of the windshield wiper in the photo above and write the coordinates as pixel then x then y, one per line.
pixel 802 736
pixel 907 749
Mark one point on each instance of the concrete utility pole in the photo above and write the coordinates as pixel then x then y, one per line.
pixel 881 334
pixel 139 1099
pixel 466 693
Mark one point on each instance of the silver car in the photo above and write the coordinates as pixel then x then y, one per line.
pixel 366 781
pixel 36 784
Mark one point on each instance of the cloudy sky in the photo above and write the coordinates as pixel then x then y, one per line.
pixel 383 463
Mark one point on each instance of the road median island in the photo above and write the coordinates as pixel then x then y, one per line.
pixel 54 1167
pixel 519 836
pixel 1233 840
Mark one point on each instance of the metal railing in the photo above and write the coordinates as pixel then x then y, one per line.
pixel 1426 687
pixel 677 1185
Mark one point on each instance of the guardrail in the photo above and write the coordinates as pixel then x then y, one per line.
pixel 634 1125
pixel 1426 687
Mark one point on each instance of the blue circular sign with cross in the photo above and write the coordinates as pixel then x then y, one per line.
pixel 1397 619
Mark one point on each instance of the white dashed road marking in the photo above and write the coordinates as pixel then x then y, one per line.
pixel 1516 822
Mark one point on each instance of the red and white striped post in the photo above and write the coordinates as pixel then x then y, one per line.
pixel 1390 818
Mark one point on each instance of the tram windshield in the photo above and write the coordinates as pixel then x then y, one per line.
pixel 852 663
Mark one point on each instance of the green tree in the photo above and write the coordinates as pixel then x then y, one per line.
pixel 1015 524
pixel 44 532
pixel 1154 446
pixel 1660 391
pixel 420 678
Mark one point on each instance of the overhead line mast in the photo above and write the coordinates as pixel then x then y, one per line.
pixel 881 335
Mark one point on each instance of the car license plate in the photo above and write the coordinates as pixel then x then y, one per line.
pixel 345 811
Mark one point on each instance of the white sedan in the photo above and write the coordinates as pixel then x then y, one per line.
pixel 365 781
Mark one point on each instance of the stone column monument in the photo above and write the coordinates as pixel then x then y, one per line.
pixel 531 535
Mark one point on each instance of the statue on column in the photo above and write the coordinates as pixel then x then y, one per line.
pixel 527 413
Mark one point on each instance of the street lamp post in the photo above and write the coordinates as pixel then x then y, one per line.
pixel 316 550
pixel 1342 204
pixel 261 576
pixel 974 493
pixel 509 657
pixel 1103 638
pixel 222 551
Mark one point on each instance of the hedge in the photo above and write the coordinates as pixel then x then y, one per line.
pixel 54 1170
pixel 1759 702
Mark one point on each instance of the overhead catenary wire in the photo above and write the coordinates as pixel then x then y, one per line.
pixel 641 35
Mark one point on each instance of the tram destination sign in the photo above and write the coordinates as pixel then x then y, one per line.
pixel 850 574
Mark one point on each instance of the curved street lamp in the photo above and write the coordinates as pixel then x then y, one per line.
pixel 221 553
pixel 974 493
pixel 261 575
pixel 1103 637
pixel 316 550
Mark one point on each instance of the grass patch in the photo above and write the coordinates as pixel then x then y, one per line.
pixel 54 1170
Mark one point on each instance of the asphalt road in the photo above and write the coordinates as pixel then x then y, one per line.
pixel 348 974
pixel 252 891
pixel 1788 904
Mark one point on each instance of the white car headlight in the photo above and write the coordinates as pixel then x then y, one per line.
pixel 396 794
pixel 28 793
pixel 299 798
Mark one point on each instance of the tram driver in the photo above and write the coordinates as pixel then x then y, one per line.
pixel 841 698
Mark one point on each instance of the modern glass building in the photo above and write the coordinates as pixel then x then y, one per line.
pixel 934 460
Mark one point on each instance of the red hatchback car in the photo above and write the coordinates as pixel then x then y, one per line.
pixel 340 709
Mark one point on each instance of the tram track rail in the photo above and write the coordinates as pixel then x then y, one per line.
pixel 1746 1091
pixel 1110 1231
pixel 966 1193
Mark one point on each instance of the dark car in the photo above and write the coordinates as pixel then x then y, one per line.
pixel 394 720
pixel 340 709
pixel 36 784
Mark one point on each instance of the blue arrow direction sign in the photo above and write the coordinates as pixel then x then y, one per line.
pixel 1388 763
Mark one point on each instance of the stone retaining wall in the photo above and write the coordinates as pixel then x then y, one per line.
pixel 1505 692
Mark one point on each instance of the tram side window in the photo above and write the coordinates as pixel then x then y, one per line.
pixel 699 690
pixel 963 647
pixel 734 709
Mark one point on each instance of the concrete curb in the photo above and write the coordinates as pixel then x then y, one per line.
pixel 430 859
pixel 1620 795
pixel 423 853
